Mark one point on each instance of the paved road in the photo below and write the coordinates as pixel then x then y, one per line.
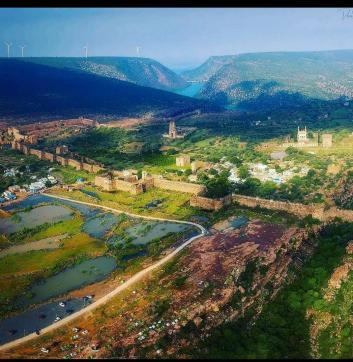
pixel 138 276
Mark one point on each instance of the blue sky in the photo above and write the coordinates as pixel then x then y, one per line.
pixel 177 37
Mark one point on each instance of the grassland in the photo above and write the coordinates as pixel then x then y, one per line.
pixel 69 175
pixel 175 205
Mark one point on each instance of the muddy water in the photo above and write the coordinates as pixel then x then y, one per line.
pixel 87 272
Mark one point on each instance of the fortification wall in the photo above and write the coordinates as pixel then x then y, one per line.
pixel 49 156
pixel 179 186
pixel 37 153
pixel 76 164
pixel 333 212
pixel 61 160
pixel 103 182
pixel 96 168
pixel 87 167
pixel 133 188
pixel 300 210
pixel 206 203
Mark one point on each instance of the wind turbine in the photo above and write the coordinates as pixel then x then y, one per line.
pixel 22 49
pixel 138 51
pixel 86 50
pixel 8 48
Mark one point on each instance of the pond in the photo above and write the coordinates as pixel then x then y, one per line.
pixel 145 232
pixel 87 272
pixel 28 322
pixel 239 222
pixel 34 217
pixel 98 225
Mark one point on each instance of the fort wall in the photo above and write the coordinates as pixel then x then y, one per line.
pixel 37 153
pixel 75 164
pixel 49 156
pixel 206 203
pixel 87 167
pixel 179 186
pixel 61 160
pixel 104 182
pixel 132 188
pixel 97 168
pixel 300 210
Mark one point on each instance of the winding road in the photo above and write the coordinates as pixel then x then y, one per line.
pixel 128 283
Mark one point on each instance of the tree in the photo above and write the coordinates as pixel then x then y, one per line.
pixel 243 172
pixel 217 187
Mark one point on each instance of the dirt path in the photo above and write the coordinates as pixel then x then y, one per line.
pixel 135 278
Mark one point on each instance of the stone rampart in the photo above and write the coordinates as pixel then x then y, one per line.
pixel 132 188
pixel 299 210
pixel 37 153
pixel 179 186
pixel 97 168
pixel 207 203
pixel 87 167
pixel 75 164
pixel 61 160
pixel 49 156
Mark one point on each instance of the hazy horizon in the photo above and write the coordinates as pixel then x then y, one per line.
pixel 177 37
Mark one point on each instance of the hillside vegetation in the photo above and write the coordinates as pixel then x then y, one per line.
pixel 290 75
pixel 141 71
pixel 31 91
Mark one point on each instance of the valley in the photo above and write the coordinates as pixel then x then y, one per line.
pixel 204 212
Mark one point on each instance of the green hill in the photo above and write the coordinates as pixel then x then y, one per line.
pixel 322 75
pixel 30 91
pixel 207 69
pixel 141 71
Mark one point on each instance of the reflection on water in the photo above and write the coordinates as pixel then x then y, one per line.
pixel 34 217
pixel 87 272
pixel 98 225
pixel 28 322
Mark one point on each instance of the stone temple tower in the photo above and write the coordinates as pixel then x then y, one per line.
pixel 302 135
pixel 172 130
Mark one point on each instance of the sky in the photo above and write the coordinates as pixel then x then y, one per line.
pixel 177 37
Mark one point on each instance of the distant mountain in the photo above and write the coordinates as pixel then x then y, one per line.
pixel 207 69
pixel 30 91
pixel 141 71
pixel 245 77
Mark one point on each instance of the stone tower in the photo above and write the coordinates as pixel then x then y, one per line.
pixel 327 140
pixel 302 135
pixel 172 130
